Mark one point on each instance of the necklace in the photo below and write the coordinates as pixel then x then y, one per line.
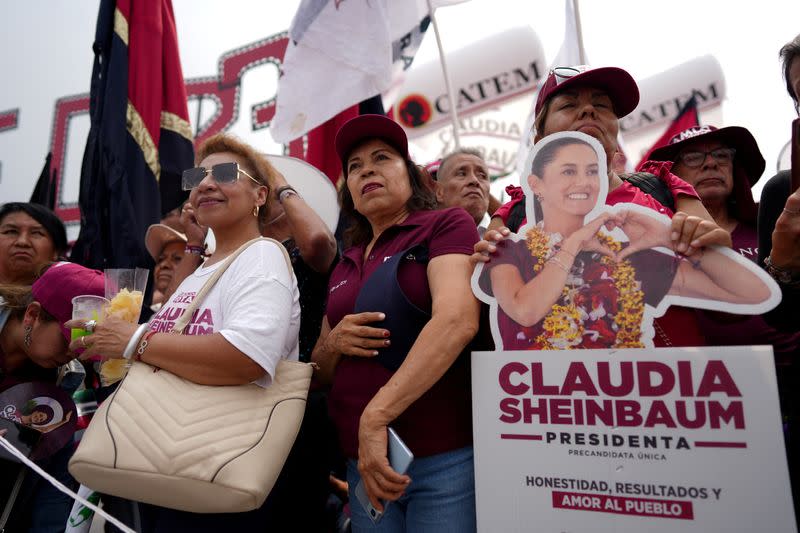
pixel 565 325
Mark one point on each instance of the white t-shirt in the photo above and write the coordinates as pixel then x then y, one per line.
pixel 255 305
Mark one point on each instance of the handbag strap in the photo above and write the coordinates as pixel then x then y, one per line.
pixel 183 320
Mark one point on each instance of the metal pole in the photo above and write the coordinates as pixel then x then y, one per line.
pixel 579 31
pixel 448 85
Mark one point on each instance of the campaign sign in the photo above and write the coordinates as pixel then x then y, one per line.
pixel 654 439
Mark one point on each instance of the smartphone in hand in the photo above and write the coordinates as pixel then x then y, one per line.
pixel 400 458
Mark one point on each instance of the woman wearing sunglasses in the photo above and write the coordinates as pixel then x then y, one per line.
pixel 246 323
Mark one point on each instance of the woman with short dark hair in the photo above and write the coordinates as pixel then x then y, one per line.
pixel 30 237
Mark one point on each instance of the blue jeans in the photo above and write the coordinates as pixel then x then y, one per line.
pixel 440 498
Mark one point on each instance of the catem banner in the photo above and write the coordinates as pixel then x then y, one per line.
pixel 664 94
pixel 657 440
pixel 484 74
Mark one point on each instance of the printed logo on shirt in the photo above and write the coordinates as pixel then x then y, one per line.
pixel 750 253
pixel 201 323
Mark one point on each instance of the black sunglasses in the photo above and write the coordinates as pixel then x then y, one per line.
pixel 222 173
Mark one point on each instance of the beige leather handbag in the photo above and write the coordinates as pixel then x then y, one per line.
pixel 164 440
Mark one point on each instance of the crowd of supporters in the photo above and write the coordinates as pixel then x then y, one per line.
pixel 387 315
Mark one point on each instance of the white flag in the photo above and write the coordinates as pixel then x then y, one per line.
pixel 341 53
pixel 570 54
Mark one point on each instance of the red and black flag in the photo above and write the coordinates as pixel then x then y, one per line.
pixel 687 117
pixel 140 139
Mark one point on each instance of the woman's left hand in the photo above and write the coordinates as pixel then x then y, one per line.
pixel 108 340
pixel 380 480
pixel 689 234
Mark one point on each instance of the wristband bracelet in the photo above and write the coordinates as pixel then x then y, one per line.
pixel 284 192
pixel 143 345
pixel 134 340
pixel 196 250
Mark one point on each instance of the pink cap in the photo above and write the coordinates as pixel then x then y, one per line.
pixel 60 283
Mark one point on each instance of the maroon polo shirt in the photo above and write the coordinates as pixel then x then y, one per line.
pixel 441 419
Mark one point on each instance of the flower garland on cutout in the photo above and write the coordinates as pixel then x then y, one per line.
pixel 564 325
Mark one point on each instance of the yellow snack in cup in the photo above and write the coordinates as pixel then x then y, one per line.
pixel 126 305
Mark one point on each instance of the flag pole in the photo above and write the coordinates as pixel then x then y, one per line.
pixel 579 31
pixel 448 85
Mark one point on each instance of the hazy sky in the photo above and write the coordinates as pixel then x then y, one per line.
pixel 647 37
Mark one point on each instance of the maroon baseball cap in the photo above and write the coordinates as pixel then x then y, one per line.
pixel 619 85
pixel 748 156
pixel 60 283
pixel 364 127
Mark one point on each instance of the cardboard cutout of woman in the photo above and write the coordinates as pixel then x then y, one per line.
pixel 582 274
pixel 43 407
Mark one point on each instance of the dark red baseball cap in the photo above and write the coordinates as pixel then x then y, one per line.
pixel 364 127
pixel 55 289
pixel 748 156
pixel 619 85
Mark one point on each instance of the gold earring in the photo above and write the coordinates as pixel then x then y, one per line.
pixel 255 211
pixel 27 339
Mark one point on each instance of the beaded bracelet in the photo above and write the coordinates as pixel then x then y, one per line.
pixel 196 250
pixel 565 251
pixel 559 264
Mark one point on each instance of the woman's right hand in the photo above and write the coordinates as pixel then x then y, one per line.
pixel 585 239
pixel 352 335
pixel 487 245
pixel 195 233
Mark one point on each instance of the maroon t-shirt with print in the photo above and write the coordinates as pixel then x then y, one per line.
pixel 441 419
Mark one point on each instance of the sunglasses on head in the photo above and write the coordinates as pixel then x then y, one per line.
pixel 222 173
pixel 694 159
pixel 562 74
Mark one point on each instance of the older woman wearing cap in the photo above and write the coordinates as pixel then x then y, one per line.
pixel 166 246
pixel 33 344
pixel 400 313
pixel 30 237
pixel 592 101
pixel 722 165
